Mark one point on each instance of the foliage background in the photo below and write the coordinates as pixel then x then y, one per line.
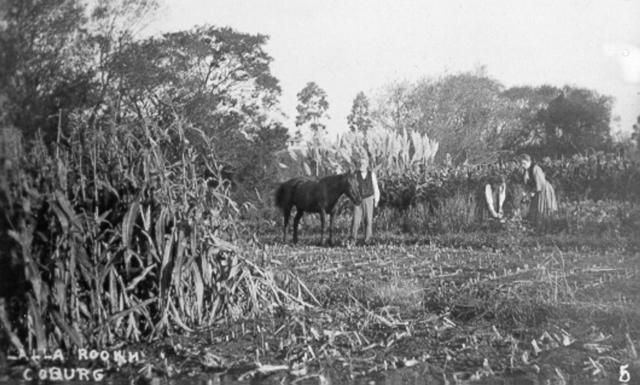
pixel 128 165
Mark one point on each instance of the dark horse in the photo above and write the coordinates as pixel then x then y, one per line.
pixel 315 196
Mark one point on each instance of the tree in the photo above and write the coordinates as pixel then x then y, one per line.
pixel 559 121
pixel 575 122
pixel 55 58
pixel 391 109
pixel 215 79
pixel 83 59
pixel 312 107
pixel 463 112
pixel 359 119
pixel 43 62
pixel 113 27
pixel 527 133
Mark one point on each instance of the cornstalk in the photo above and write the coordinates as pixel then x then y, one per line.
pixel 59 134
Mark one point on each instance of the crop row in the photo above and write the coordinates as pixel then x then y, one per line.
pixel 120 237
pixel 404 163
pixel 575 179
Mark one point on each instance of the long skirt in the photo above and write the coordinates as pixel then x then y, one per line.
pixel 543 203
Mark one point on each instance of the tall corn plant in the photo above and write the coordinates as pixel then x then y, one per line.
pixel 127 235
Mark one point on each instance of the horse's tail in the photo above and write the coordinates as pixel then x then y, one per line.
pixel 281 193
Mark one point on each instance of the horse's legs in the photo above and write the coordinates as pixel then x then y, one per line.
pixel 287 215
pixel 296 220
pixel 322 215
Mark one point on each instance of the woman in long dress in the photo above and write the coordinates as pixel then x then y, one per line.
pixel 543 202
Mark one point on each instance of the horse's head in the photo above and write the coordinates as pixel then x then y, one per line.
pixel 353 188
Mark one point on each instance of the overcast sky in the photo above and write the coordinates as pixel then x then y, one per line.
pixel 347 46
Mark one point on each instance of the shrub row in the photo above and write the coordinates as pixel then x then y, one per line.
pixel 595 177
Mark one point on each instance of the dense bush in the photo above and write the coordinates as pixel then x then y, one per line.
pixel 595 177
pixel 601 217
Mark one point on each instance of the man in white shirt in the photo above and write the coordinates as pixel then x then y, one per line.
pixel 370 194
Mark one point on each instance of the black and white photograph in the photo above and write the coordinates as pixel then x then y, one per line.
pixel 357 192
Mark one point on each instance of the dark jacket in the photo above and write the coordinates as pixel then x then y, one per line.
pixel 366 184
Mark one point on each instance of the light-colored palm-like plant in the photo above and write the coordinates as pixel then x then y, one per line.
pixel 389 152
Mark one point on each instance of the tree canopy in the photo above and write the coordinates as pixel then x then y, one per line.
pixel 43 66
pixel 359 120
pixel 82 62
pixel 560 121
pixel 76 65
pixel 312 107
pixel 475 119
pixel 463 112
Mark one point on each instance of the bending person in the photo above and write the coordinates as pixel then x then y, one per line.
pixel 492 195
pixel 543 202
